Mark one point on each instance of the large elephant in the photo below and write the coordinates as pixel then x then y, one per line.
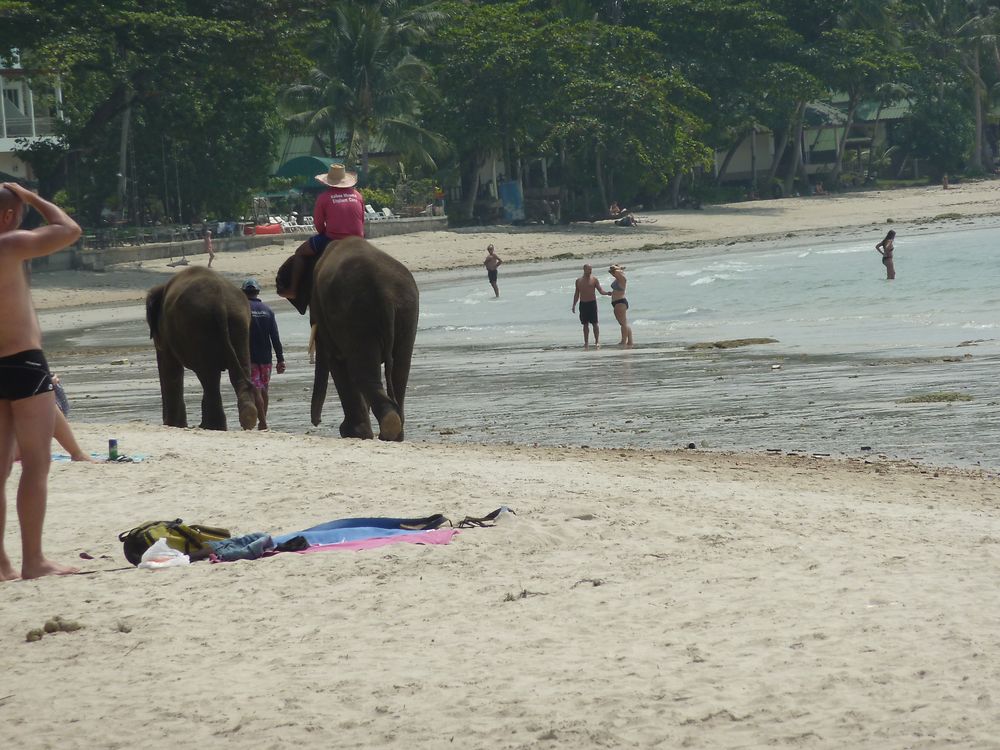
pixel 201 321
pixel 364 304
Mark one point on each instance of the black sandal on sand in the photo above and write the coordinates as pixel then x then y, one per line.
pixel 486 521
pixel 422 524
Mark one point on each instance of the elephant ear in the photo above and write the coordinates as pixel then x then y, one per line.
pixel 154 306
pixel 283 282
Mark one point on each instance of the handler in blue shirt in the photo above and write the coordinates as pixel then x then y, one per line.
pixel 263 333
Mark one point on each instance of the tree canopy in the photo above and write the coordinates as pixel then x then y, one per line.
pixel 177 108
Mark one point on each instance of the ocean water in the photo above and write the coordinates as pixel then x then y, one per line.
pixel 849 347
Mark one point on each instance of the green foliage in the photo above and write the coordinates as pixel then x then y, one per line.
pixel 620 99
pixel 414 193
pixel 940 133
pixel 378 198
pixel 366 85
pixel 195 78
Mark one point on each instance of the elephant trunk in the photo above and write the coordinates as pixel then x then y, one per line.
pixel 320 381
pixel 238 364
pixel 246 402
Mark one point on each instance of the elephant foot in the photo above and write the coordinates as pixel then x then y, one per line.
pixel 362 431
pixel 390 427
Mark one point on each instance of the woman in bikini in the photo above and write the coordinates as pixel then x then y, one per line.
pixel 885 249
pixel 619 304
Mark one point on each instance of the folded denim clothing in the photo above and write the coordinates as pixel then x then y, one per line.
pixel 246 547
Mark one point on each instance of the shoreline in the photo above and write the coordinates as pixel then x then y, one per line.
pixel 697 231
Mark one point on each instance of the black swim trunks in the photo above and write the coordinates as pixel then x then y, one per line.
pixel 24 375
pixel 491 275
pixel 588 312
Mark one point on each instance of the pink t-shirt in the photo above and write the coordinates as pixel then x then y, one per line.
pixel 339 213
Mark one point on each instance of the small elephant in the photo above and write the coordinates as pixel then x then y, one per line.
pixel 365 305
pixel 200 321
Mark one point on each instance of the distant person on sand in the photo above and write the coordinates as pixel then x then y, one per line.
pixel 587 287
pixel 884 248
pixel 27 402
pixel 263 333
pixel 492 262
pixel 339 212
pixel 619 304
pixel 208 247
pixel 625 219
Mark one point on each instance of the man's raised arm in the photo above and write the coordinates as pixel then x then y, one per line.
pixel 59 231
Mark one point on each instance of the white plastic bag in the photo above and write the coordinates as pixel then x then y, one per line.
pixel 162 555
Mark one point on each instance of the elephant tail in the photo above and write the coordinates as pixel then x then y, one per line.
pixel 388 336
pixel 154 308
pixel 233 362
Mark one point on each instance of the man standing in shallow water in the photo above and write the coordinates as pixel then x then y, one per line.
pixel 587 287
pixel 27 402
pixel 492 262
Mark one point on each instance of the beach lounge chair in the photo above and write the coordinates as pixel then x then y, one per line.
pixel 371 214
pixel 388 214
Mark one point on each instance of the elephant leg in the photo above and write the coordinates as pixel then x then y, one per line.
pixel 171 389
pixel 365 367
pixel 356 423
pixel 213 417
pixel 398 375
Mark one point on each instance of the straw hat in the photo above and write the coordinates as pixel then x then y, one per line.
pixel 338 177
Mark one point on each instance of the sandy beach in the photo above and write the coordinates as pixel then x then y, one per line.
pixel 638 598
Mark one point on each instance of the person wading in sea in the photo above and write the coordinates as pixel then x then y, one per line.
pixel 884 248
pixel 492 262
pixel 587 287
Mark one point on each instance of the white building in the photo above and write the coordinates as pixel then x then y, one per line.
pixel 26 114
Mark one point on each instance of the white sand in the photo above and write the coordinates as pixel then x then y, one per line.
pixel 744 601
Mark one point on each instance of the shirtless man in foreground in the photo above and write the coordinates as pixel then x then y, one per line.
pixel 27 403
pixel 587 287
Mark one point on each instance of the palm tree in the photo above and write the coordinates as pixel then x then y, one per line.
pixel 367 84
pixel 966 31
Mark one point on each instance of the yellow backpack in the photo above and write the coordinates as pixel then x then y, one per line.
pixel 186 538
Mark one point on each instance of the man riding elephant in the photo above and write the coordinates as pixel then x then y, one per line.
pixel 339 212
pixel 365 305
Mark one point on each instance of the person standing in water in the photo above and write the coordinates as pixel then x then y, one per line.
pixel 884 248
pixel 492 262
pixel 619 304
pixel 587 287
